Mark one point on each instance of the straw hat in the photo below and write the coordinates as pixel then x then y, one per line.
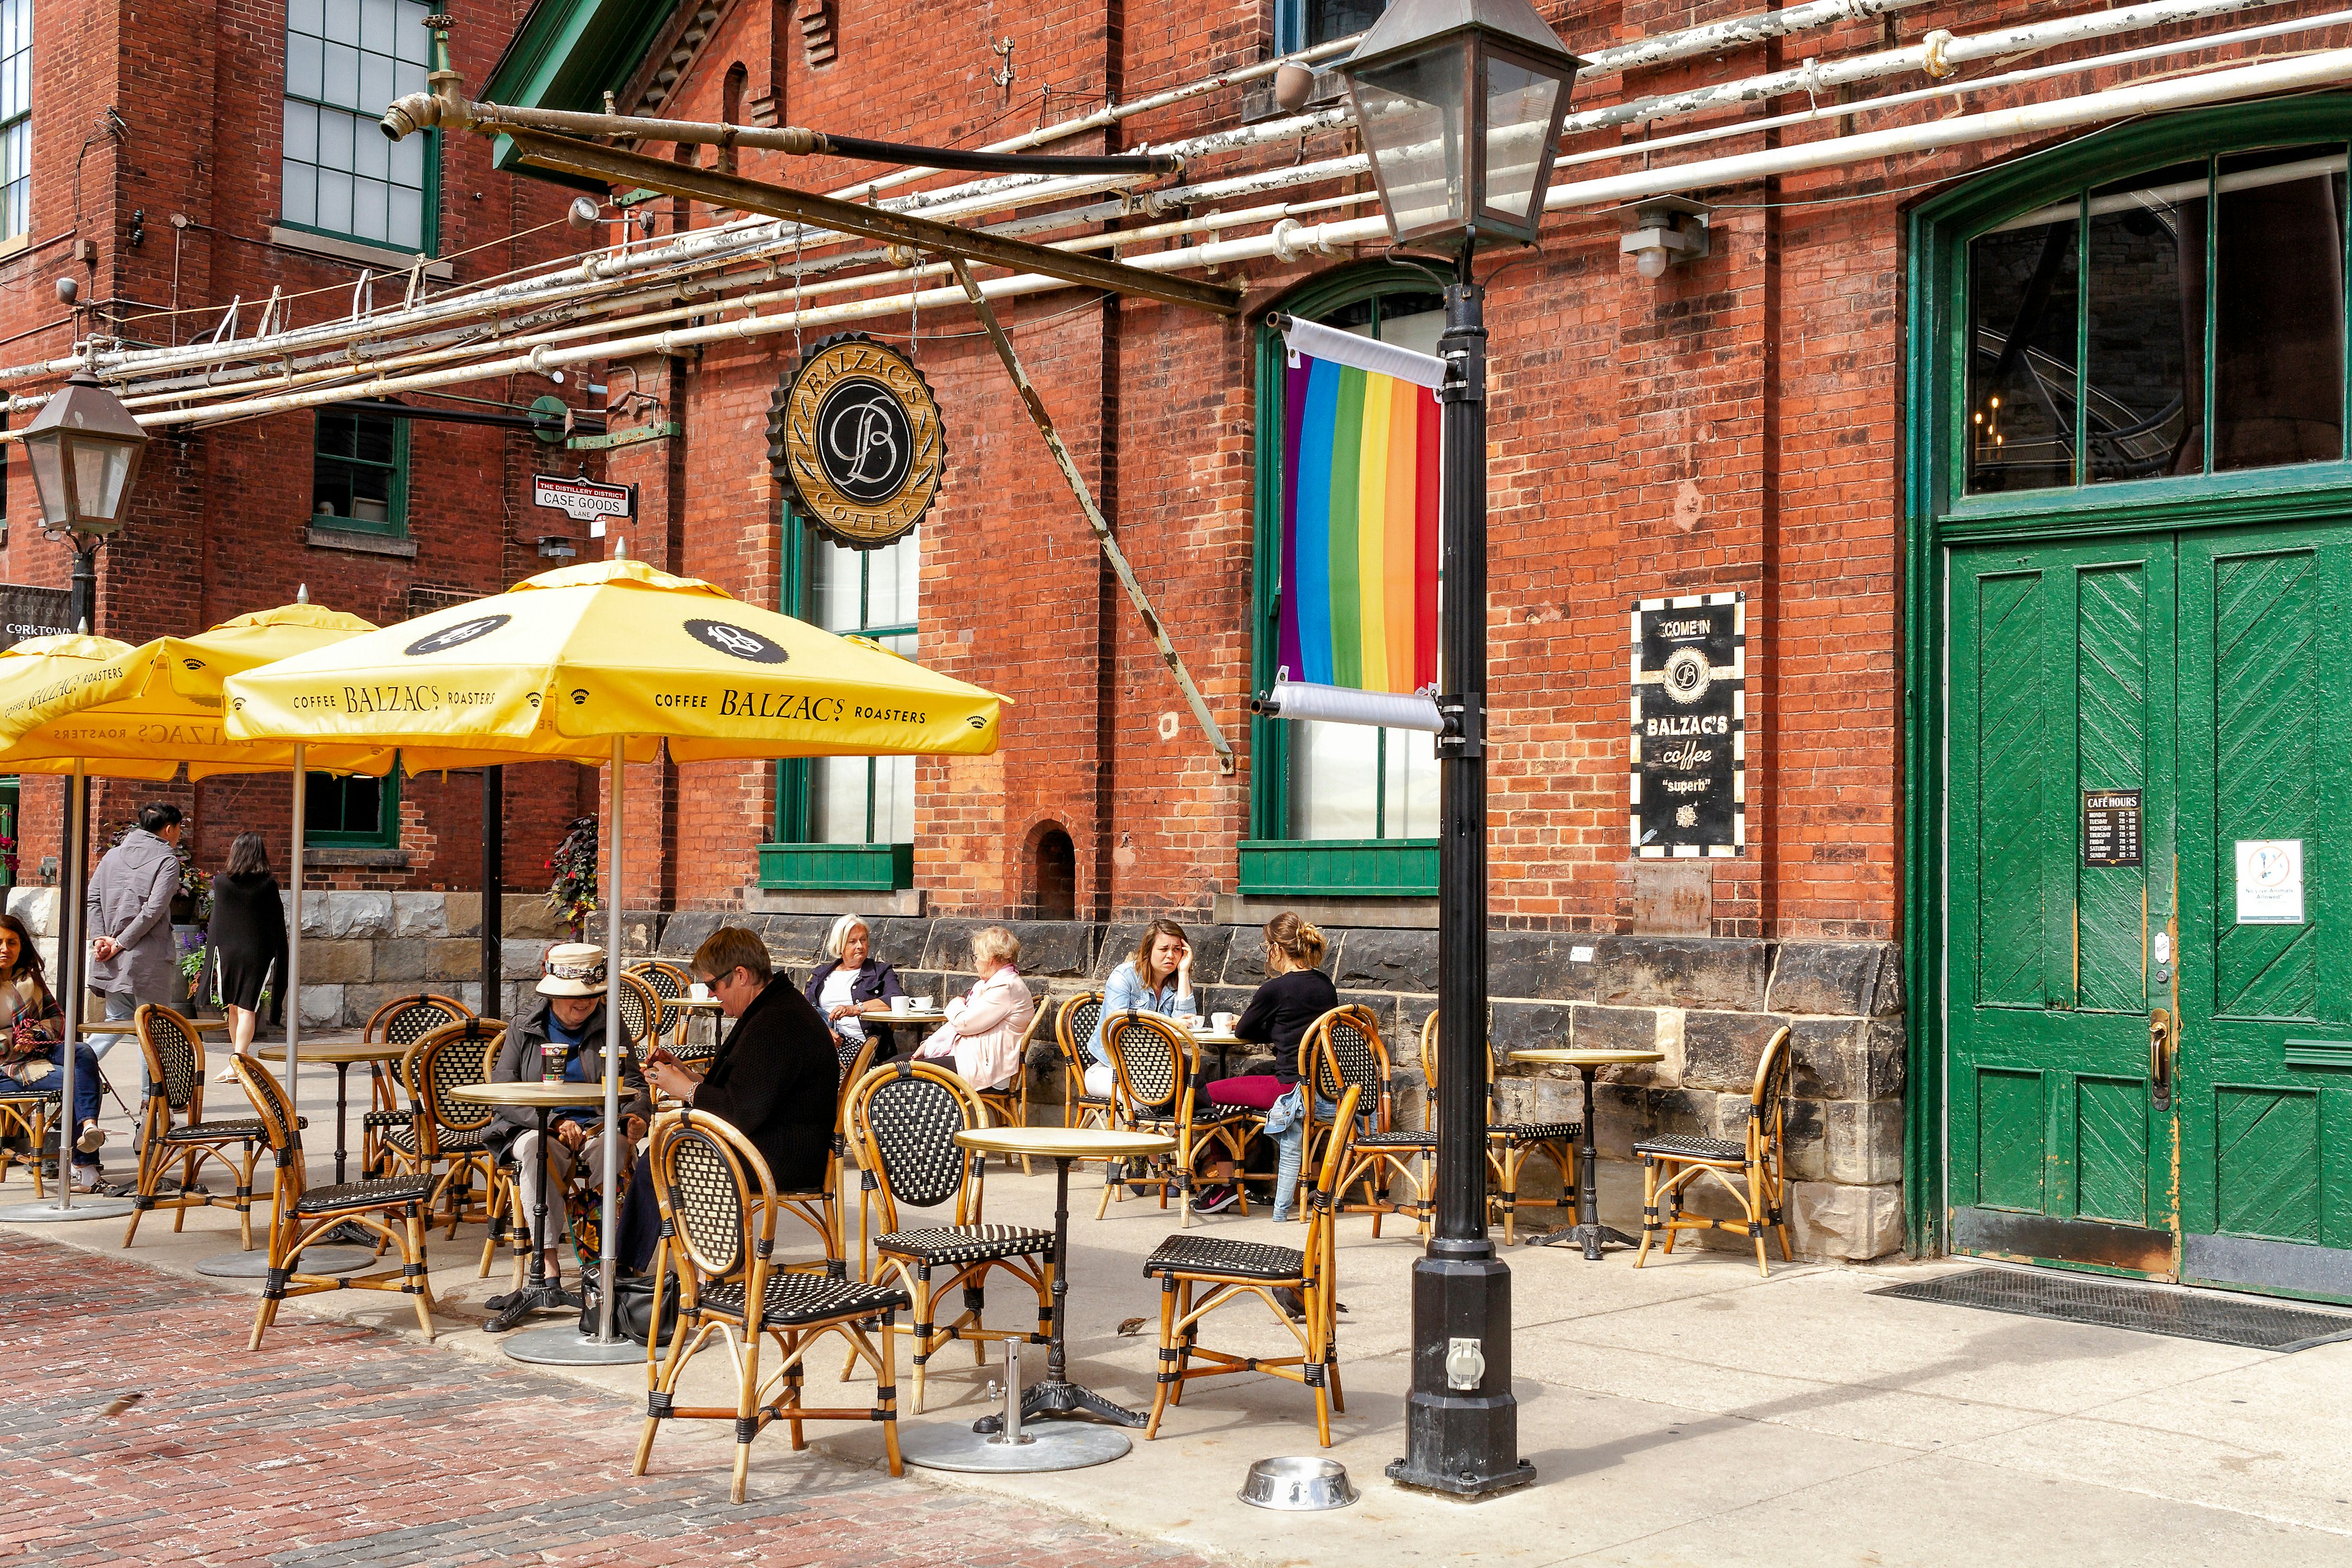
pixel 573 969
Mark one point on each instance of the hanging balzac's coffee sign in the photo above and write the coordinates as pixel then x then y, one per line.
pixel 854 434
pixel 1690 719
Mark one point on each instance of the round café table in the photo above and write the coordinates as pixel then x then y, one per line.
pixel 1588 1232
pixel 553 1346
pixel 1067 1445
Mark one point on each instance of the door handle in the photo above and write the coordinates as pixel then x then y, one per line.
pixel 2160 1057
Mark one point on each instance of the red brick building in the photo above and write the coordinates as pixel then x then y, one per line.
pixel 212 172
pixel 1992 352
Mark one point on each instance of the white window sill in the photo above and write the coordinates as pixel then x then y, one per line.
pixel 381 257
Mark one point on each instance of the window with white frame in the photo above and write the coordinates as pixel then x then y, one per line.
pixel 16 118
pixel 864 800
pixel 345 61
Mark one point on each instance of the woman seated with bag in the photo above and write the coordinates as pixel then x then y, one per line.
pixel 1280 1013
pixel 982 1033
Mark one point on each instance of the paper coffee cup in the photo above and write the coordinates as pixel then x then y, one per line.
pixel 897 1004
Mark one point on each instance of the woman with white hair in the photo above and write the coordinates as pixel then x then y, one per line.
pixel 982 1033
pixel 853 988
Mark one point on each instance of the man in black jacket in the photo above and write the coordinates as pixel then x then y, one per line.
pixel 775 1079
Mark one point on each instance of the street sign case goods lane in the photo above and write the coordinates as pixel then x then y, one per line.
pixel 585 500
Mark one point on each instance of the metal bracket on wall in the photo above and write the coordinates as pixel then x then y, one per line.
pixel 622 438
pixel 1095 519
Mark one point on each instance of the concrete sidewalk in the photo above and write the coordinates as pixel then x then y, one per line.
pixel 1686 1413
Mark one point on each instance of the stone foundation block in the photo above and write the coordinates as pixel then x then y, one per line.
pixel 1864 1140
pixel 356 916
pixel 337 961
pixel 1721 1051
pixel 1526 1025
pixel 461 914
pixel 1858 980
pixel 527 915
pixel 38 908
pixel 322 1006
pixel 1681 972
pixel 1855 1223
pixel 1847 1059
pixel 1370 958
pixel 419 914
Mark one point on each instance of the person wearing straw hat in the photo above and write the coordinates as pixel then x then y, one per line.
pixel 559 1041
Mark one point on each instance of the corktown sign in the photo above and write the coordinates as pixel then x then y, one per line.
pixel 856 437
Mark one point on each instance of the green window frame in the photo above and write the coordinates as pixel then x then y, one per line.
pixel 359 473
pixel 16 118
pixel 1940 510
pixel 1275 861
pixel 345 61
pixel 797 857
pixel 1303 24
pixel 365 812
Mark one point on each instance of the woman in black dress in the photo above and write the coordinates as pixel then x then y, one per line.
pixel 248 942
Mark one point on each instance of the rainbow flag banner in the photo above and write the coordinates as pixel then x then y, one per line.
pixel 1359 513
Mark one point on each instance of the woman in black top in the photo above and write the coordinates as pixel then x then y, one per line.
pixel 1295 994
pixel 247 935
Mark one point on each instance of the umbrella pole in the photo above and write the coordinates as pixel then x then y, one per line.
pixel 71 930
pixel 294 939
pixel 615 830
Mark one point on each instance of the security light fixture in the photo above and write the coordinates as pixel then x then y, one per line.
pixel 1666 229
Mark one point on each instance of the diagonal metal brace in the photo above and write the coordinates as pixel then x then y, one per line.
pixel 867 222
pixel 1111 552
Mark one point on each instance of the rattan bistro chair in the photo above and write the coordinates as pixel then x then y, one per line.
pixel 1342 1051
pixel 1158 1093
pixel 718 1210
pixel 402 1021
pixel 1509 1144
pixel 1198 1274
pixel 447 1140
pixel 300 1215
pixel 1073 1026
pixel 26 1113
pixel 1009 1106
pixel 1672 1163
pixel 172 1129
pixel 905 1117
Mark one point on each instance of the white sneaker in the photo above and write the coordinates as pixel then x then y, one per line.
pixel 88 1179
pixel 92 1139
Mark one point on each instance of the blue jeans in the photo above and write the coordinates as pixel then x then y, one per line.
pixel 86 1092
pixel 1290 1147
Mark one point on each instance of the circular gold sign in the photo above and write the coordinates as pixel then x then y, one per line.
pixel 855 435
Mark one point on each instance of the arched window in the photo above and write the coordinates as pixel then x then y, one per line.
pixel 1337 809
pixel 1054 875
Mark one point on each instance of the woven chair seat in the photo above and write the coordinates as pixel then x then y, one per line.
pixel 1402 1138
pixel 966 1243
pixel 388 1119
pixel 217 1131
pixel 470 1141
pixel 796 1299
pixel 365 1194
pixel 1536 1132
pixel 1192 1252
pixel 11 1089
pixel 1682 1146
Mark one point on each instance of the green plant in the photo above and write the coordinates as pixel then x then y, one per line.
pixel 572 893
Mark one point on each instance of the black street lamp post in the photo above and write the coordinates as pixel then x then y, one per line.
pixel 1459 103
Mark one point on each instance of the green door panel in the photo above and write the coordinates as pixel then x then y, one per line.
pixel 2061 682
pixel 2265 745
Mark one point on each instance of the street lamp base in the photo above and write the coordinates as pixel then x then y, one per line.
pixel 1462 1484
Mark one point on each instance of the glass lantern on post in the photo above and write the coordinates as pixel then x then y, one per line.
pixel 84 448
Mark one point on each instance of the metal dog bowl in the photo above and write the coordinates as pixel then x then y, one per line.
pixel 1297 1485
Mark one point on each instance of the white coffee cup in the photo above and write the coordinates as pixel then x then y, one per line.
pixel 1224 1022
pixel 698 992
pixel 897 1004
pixel 921 1003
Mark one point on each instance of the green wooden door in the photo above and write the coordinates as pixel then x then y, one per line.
pixel 2061 682
pixel 2265 1048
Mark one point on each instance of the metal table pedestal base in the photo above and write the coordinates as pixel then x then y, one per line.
pixel 567 1346
pixel 46 1211
pixel 255 1265
pixel 1591 1238
pixel 1061 1446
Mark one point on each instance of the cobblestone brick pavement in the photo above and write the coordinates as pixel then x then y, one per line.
pixel 342 1445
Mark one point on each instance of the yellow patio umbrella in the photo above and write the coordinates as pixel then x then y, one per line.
pixel 603 663
pixel 83 705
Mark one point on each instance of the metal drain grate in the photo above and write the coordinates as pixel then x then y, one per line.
pixel 2221 1319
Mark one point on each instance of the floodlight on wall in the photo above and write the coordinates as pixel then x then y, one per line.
pixel 1666 229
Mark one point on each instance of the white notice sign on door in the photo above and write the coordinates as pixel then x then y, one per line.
pixel 2270 882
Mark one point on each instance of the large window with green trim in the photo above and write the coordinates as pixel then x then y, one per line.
pixel 1338 809
pixel 351 813
pixel 345 61
pixel 847 822
pixel 359 472
pixel 2180 322
pixel 16 118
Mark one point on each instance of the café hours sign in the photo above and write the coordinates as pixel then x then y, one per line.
pixel 1689 788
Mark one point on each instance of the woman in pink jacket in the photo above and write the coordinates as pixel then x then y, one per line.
pixel 983 1030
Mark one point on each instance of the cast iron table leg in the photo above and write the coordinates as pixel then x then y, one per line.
pixel 1057 1396
pixel 346 1233
pixel 1588 1232
pixel 538 1291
